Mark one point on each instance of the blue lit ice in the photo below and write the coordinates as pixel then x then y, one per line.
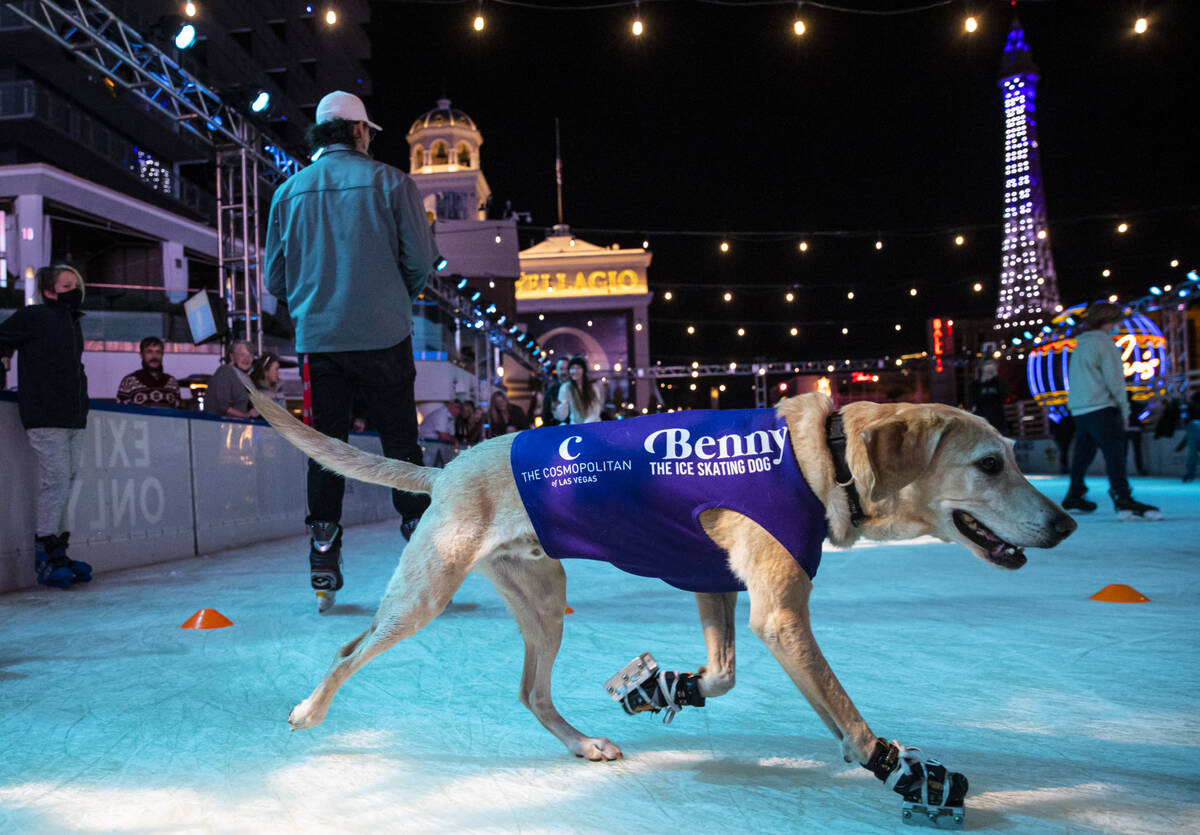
pixel 1066 714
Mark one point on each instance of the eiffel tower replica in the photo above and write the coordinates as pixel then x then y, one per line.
pixel 1028 295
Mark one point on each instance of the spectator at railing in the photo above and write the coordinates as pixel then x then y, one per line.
pixel 579 399
pixel 150 385
pixel 265 376
pixel 468 429
pixel 504 417
pixel 53 403
pixel 225 395
pixel 988 394
pixel 437 434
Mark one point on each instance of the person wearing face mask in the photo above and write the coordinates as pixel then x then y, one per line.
pixel 53 403
pixel 150 385
pixel 1096 399
pixel 579 400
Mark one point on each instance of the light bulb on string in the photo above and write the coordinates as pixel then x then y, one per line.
pixel 798 27
pixel 850 295
pixel 977 287
pixel 478 24
pixel 189 9
pixel 803 246
pixel 637 30
pixel 724 246
pixel 795 331
pixel 971 24
pixel 741 331
pixel 1122 228
pixel 728 297
pixel 879 244
pixel 331 17
pixel 959 240
pixel 791 297
pixel 691 329
pixel 912 291
pixel 1141 25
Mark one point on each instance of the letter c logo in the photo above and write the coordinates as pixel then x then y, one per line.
pixel 564 448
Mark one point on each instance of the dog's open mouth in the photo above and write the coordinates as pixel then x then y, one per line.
pixel 995 549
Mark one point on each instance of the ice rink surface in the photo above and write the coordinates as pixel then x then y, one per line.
pixel 1067 715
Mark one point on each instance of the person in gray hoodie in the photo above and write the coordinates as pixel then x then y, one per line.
pixel 1096 400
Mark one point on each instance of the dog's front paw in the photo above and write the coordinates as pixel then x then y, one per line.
pixel 303 716
pixel 597 749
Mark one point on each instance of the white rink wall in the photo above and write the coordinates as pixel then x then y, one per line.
pixel 157 485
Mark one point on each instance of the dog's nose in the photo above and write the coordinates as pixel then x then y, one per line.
pixel 1064 526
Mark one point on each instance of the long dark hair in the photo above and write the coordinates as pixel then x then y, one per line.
pixel 332 132
pixel 586 393
pixel 258 371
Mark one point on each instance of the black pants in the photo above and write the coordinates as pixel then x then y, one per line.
pixel 1103 430
pixel 385 380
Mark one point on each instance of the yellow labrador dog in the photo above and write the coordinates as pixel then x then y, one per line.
pixel 913 469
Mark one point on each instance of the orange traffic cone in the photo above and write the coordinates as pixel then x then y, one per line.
pixel 568 611
pixel 1119 593
pixel 206 619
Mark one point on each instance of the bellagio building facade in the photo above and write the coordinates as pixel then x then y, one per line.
pixel 578 298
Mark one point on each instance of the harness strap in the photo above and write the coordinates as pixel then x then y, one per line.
pixel 835 439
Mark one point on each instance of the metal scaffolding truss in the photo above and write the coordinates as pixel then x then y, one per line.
pixel 103 41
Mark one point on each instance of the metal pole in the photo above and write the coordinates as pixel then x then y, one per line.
pixel 245 244
pixel 258 260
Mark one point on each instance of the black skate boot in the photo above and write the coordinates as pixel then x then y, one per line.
pixel 1129 510
pixel 81 570
pixel 932 794
pixel 325 562
pixel 1079 503
pixel 51 570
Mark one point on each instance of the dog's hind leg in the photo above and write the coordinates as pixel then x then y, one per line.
pixel 420 588
pixel 716 618
pixel 535 590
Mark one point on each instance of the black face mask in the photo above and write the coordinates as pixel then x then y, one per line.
pixel 71 298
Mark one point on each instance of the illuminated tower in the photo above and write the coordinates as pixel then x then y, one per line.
pixel 1028 287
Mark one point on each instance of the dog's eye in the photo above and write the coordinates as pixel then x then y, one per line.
pixel 990 464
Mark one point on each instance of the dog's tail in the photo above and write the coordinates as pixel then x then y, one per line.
pixel 338 456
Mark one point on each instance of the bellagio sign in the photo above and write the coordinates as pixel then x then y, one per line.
pixel 580 283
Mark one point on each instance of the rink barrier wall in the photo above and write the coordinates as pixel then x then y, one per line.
pixel 157 485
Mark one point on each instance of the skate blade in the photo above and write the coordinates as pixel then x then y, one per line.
pixel 937 817
pixel 1148 516
pixel 325 601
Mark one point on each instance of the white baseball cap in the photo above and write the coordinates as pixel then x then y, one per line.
pixel 339 105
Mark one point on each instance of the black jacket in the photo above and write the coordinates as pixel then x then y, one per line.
pixel 51 385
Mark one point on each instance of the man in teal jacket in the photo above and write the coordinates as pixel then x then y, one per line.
pixel 349 249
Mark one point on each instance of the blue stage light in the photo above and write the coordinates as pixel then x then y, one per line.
pixel 462 282
pixel 475 296
pixel 262 100
pixel 1193 276
pixel 186 36
pixel 440 264
pixel 1155 291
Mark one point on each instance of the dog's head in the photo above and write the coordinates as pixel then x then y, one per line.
pixel 939 470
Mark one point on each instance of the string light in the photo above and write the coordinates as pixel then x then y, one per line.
pixel 1174 262
pixel 637 30
pixel 844 332
pixel 478 24
pixel 879 244
pixel 645 244
pixel 741 331
pixel 959 240
pixel 791 297
pixel 977 287
pixel 1106 272
pixel 971 24
pixel 799 28
pixel 897 326
pixel 1122 228
pixel 724 246
pixel 850 295
pixel 1141 25
pixel 331 17
pixel 795 331
pixel 728 297
pixel 691 329
pixel 667 296
pixel 803 246
pixel 189 9
pixel 912 291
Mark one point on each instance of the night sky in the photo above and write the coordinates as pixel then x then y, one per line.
pixel 720 121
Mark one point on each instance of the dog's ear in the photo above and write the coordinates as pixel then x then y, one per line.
pixel 899 450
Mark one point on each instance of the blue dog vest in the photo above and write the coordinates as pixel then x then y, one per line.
pixel 629 492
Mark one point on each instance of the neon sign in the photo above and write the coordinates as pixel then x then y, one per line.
pixel 863 377
pixel 943 333
pixel 591 283
pixel 1143 357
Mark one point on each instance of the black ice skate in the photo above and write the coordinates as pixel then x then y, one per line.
pixel 1129 510
pixel 932 795
pixel 1078 503
pixel 641 686
pixel 325 562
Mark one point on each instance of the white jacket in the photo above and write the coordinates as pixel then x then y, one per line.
pixel 569 407
pixel 1096 374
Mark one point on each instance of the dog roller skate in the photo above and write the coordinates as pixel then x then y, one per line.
pixel 641 687
pixel 932 795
